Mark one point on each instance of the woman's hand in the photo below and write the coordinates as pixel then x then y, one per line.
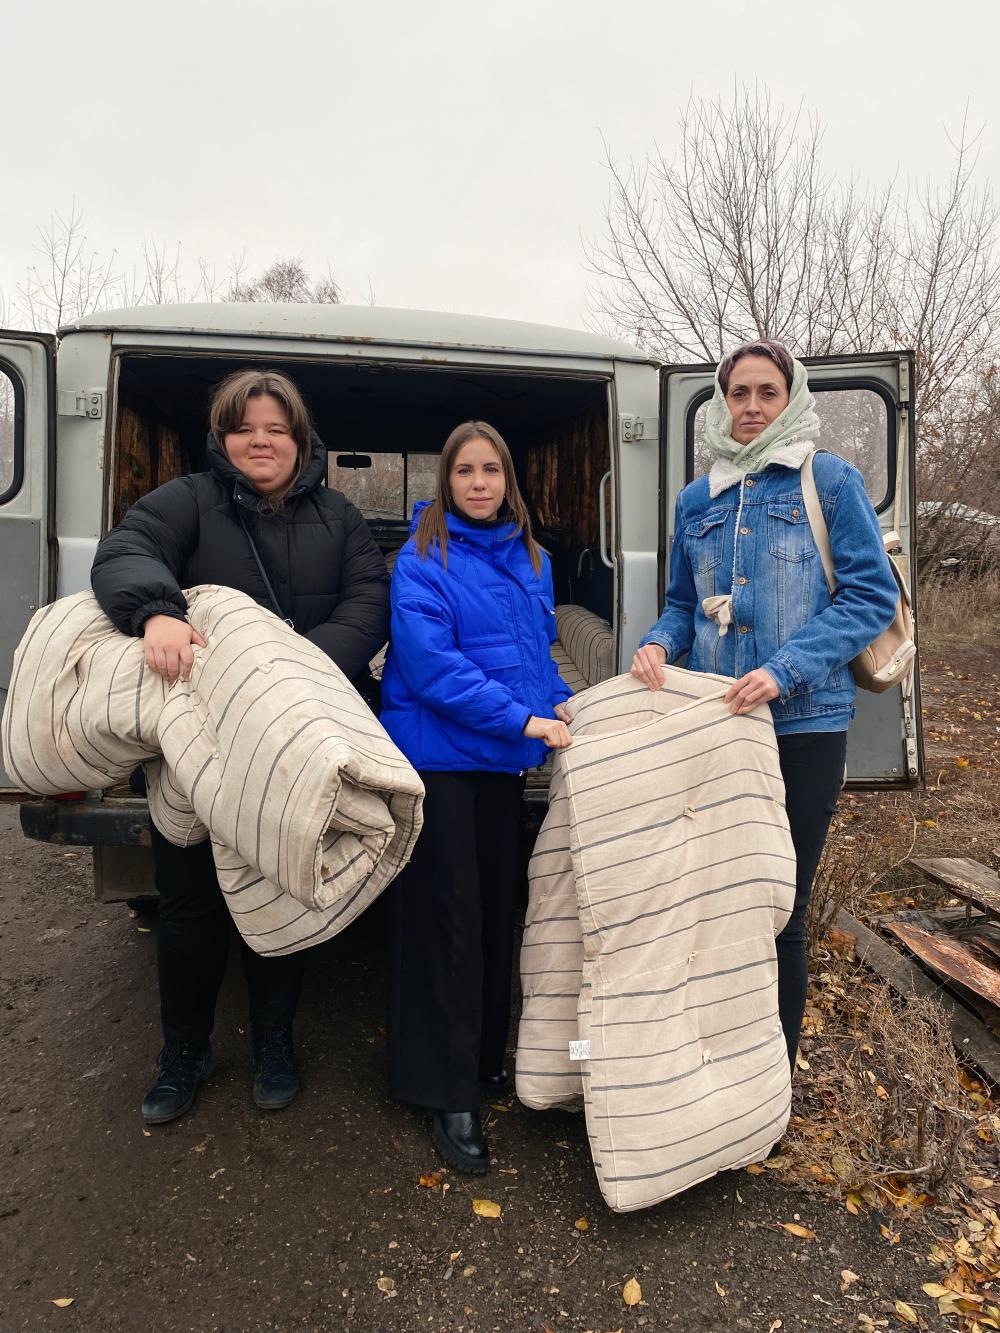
pixel 756 687
pixel 562 714
pixel 648 664
pixel 169 646
pixel 554 733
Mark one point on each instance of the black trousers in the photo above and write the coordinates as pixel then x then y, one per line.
pixel 193 946
pixel 812 765
pixel 452 941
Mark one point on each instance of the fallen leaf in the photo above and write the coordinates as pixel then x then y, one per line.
pixel 146 1134
pixel 495 1106
pixel 961 763
pixel 847 1279
pixel 934 1289
pixel 755 1169
pixel 906 1313
pixel 63 1301
pixel 796 1229
pixel 468 1270
pixel 431 1180
pixel 720 1291
pixel 631 1292
pixel 891 1236
pixel 387 1286
pixel 881 1093
pixel 485 1208
pixel 775 1326
pixel 582 1224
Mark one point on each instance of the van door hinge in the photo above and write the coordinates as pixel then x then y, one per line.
pixel 81 403
pixel 632 428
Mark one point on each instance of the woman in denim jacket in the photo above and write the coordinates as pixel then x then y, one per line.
pixel 748 599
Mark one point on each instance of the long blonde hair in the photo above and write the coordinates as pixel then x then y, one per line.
pixel 433 526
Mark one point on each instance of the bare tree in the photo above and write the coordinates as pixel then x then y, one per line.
pixel 285 280
pixel 70 279
pixel 742 233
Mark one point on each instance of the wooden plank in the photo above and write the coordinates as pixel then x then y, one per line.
pixel 966 878
pixel 949 956
pixel 972 1040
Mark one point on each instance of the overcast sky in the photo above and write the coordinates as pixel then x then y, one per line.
pixel 449 154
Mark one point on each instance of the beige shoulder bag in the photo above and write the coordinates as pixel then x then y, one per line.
pixel 888 660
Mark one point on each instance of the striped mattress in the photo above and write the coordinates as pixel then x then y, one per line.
pixel 268 750
pixel 661 876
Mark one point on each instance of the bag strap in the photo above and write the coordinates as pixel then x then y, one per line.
pixel 814 512
pixel 275 604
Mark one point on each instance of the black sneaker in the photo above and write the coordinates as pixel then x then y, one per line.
pixel 275 1081
pixel 182 1068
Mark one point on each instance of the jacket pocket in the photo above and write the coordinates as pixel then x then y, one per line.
pixel 704 539
pixel 494 658
pixel 789 536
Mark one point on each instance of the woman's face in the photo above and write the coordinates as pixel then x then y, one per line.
pixel 476 480
pixel 757 393
pixel 262 446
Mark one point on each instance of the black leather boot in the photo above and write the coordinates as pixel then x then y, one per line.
pixel 275 1080
pixel 495 1084
pixel 458 1137
pixel 182 1068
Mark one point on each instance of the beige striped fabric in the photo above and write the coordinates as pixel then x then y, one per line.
pixel 661 875
pixel 268 750
pixel 584 649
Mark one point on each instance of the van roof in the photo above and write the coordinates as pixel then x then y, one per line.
pixel 375 324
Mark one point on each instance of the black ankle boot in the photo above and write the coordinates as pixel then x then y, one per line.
pixel 275 1081
pixel 458 1137
pixel 182 1068
pixel 495 1084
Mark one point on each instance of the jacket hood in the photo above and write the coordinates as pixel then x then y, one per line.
pixel 313 474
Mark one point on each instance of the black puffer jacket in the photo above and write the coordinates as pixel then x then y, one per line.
pixel 325 569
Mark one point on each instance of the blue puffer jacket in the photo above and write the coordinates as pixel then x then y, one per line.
pixel 469 659
pixel 754 540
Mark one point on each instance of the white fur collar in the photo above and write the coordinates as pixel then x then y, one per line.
pixel 724 472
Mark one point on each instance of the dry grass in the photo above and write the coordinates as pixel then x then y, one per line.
pixel 958 610
pixel 883 1109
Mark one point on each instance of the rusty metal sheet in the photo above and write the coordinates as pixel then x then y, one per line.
pixel 949 957
pixel 967 879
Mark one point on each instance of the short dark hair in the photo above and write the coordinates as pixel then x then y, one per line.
pixel 769 347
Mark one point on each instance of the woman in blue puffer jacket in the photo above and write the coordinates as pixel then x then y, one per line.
pixel 472 697
pixel 748 598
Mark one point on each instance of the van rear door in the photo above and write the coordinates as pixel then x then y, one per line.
pixel 865 406
pixel 27 451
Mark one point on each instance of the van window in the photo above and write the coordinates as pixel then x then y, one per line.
pixel 390 487
pixel 855 425
pixel 9 425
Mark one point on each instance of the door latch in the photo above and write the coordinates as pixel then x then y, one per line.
pixel 632 428
pixel 81 403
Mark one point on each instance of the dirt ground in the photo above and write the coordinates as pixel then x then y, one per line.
pixel 230 1219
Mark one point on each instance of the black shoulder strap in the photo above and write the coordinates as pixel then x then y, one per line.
pixel 275 604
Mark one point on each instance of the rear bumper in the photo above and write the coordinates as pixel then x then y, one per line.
pixel 121 822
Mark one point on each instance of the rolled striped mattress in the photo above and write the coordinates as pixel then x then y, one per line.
pixel 660 878
pixel 267 749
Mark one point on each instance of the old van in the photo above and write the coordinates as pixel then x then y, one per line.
pixel 603 439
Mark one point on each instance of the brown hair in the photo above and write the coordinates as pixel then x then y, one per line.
pixel 769 347
pixel 229 402
pixel 433 527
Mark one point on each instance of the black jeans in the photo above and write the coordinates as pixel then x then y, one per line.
pixel 812 765
pixel 193 946
pixel 452 941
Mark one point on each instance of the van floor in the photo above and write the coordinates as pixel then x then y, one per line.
pixel 336 1213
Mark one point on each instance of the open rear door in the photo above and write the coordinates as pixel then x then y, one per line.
pixel 27 446
pixel 865 406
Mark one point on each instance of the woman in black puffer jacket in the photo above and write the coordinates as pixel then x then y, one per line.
pixel 262 521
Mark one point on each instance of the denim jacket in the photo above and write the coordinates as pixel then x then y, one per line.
pixel 783 617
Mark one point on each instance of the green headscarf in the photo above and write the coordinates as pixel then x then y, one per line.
pixel 796 424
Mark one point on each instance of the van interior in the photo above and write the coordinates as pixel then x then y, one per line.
pixel 384 426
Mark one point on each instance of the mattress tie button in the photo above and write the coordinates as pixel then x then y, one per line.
pixel 689 812
pixel 706 1057
pixel 266 667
